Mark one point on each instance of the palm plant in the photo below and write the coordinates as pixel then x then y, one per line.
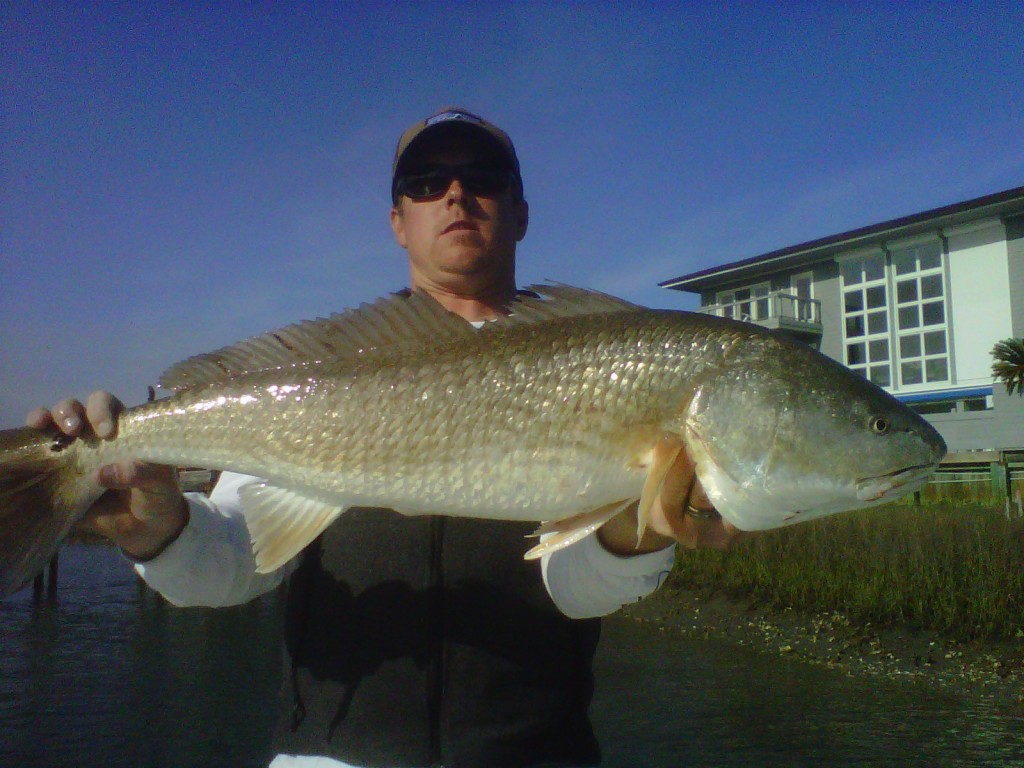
pixel 1009 364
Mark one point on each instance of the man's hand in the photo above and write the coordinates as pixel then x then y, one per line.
pixel 144 510
pixel 682 513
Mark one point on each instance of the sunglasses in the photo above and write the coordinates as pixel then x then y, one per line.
pixel 476 179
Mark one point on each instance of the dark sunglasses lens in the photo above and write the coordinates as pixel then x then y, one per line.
pixel 476 180
pixel 424 185
pixel 485 181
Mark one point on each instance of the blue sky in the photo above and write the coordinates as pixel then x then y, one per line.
pixel 175 178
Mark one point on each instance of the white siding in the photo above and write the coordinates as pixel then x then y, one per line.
pixel 979 299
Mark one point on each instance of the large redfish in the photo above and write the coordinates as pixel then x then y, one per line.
pixel 565 411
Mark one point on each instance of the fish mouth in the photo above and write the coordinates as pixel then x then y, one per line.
pixel 903 480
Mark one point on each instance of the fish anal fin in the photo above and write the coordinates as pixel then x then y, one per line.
pixel 660 460
pixel 571 529
pixel 283 522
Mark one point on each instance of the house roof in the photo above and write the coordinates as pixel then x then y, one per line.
pixel 1004 203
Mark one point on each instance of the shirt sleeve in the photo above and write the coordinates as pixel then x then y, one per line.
pixel 586 580
pixel 211 563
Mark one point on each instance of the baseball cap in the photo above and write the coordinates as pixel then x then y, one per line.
pixel 454 119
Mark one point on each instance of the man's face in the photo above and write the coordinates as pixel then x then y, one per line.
pixel 458 241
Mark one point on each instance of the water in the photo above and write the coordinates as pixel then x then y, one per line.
pixel 108 675
pixel 684 702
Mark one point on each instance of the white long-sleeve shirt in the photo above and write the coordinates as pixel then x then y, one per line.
pixel 212 564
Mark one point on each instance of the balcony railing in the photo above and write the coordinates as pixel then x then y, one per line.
pixel 775 309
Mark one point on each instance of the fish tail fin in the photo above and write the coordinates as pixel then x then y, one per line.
pixel 35 512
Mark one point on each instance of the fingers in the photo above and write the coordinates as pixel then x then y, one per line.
pixel 39 418
pixel 99 414
pixel 698 532
pixel 102 410
pixel 67 416
pixel 151 478
pixel 687 514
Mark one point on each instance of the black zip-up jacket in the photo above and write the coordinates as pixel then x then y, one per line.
pixel 428 641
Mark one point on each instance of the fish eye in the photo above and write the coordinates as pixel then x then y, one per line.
pixel 878 425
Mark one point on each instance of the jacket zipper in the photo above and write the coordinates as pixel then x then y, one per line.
pixel 435 673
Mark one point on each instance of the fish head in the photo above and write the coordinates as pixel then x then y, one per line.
pixel 780 434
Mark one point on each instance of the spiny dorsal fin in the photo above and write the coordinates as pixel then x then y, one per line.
pixel 389 324
pixel 561 300
pixel 383 327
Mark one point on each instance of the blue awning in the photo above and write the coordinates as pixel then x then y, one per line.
pixel 946 394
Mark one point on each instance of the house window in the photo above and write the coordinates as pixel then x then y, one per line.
pixel 894 312
pixel 745 303
pixel 803 288
pixel 921 315
pixel 866 316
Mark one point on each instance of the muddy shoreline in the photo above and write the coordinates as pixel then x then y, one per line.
pixel 992 670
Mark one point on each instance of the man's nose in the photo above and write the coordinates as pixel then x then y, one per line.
pixel 455 193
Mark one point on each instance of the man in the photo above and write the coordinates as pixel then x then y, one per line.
pixel 416 641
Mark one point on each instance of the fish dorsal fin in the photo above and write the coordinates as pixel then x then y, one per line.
pixel 384 326
pixel 282 522
pixel 555 300
pixel 388 324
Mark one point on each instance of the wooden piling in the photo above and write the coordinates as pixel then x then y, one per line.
pixel 46 580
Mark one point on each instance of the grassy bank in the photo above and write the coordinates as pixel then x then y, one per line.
pixel 955 569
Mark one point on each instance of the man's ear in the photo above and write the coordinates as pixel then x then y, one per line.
pixel 522 219
pixel 398 225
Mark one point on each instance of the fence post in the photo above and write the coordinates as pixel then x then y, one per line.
pixel 1000 479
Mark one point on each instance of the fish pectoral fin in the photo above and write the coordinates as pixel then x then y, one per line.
pixel 282 522
pixel 663 456
pixel 571 529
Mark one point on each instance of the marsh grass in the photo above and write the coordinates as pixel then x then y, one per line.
pixel 955 569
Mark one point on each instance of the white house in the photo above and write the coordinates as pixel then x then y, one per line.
pixel 915 304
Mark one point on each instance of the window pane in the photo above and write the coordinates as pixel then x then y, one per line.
pixel 878 350
pixel 876 297
pixel 931 256
pixel 908 317
pixel 911 372
pixel 931 287
pixel 874 268
pixel 910 346
pixel 936 369
pixel 854 300
pixel 939 407
pixel 854 326
pixel 880 375
pixel 877 322
pixel 855 354
pixel 906 291
pixel 802 287
pixel 935 343
pixel 933 312
pixel 851 272
pixel 904 262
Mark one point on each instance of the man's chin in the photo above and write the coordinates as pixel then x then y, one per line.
pixel 466 259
